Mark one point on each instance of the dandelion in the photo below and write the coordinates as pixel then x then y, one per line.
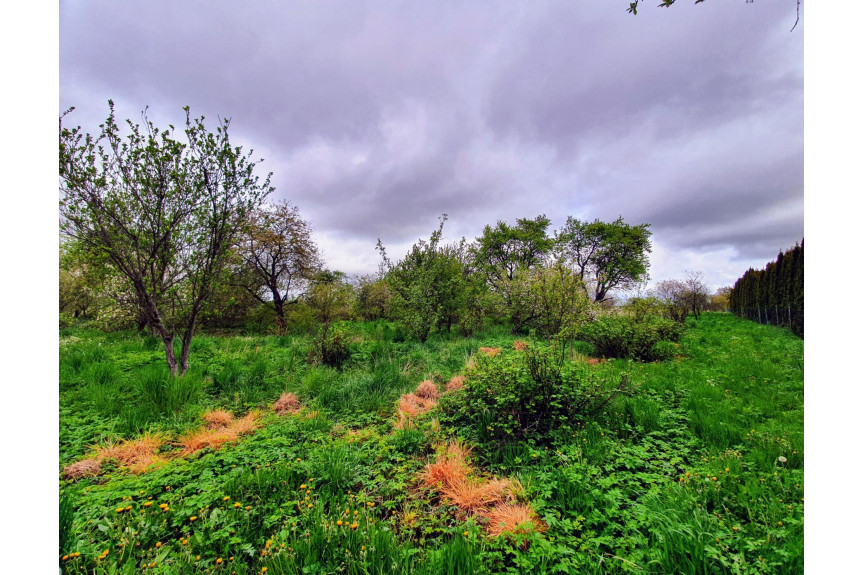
pixel 219 561
pixel 193 517
pixel 465 533
pixel 158 544
pixel 310 505
pixel 237 505
pixel 226 498
pixel 371 503
pixel 148 503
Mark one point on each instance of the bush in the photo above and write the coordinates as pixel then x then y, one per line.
pixel 623 336
pixel 330 347
pixel 527 394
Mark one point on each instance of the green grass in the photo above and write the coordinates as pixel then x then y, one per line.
pixel 683 475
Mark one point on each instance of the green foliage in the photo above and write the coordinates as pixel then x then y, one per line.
pixel 700 469
pixel 330 347
pixel 627 337
pixel 429 286
pixel 528 394
pixel 550 300
pixel 773 295
pixel 606 255
pixel 163 392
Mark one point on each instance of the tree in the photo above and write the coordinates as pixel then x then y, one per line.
pixel 671 294
pixel 428 286
pixel 695 295
pixel 501 251
pixel 551 300
pixel 331 297
pixel 278 257
pixel 162 212
pixel 606 255
pixel 373 298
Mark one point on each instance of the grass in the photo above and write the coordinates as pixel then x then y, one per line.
pixel 698 470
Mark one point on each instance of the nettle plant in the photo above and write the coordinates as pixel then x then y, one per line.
pixel 526 394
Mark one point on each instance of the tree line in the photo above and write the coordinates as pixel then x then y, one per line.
pixel 172 231
pixel 773 295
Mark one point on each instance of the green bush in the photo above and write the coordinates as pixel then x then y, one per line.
pixel 528 394
pixel 330 347
pixel 624 336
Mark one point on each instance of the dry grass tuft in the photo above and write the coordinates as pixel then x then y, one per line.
pixel 595 361
pixel 428 390
pixel 457 382
pixel 83 468
pixel 490 351
pixel 450 467
pixel 477 496
pixel 513 518
pixel 137 454
pixel 218 418
pixel 410 406
pixel 287 403
pixel 519 345
pixel 216 438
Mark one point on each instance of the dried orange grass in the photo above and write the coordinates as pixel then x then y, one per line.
pixel 475 496
pixel 287 403
pixel 216 438
pixel 490 351
pixel 594 361
pixel 218 418
pixel 428 390
pixel 519 345
pixel 137 454
pixel 410 406
pixel 449 468
pixel 457 382
pixel 83 468
pixel 513 518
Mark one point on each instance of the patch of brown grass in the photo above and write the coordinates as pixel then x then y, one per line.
pixel 136 454
pixel 287 403
pixel 427 390
pixel 519 345
pixel 490 351
pixel 218 418
pixel 216 438
pixel 457 382
pixel 83 468
pixel 410 406
pixel 476 496
pixel 594 361
pixel 449 468
pixel 513 518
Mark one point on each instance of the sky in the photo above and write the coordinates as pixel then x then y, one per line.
pixel 377 117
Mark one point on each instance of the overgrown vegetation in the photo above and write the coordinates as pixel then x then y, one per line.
pixel 697 468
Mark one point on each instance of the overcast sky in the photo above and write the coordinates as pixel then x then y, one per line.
pixel 377 117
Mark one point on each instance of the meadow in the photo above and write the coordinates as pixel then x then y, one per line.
pixel 695 466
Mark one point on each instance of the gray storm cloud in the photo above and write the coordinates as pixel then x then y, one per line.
pixel 377 117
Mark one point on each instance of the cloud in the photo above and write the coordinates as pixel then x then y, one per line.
pixel 376 118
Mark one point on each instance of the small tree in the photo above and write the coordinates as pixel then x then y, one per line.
pixel 163 212
pixel 278 257
pixel 696 296
pixel 606 255
pixel 373 298
pixel 428 286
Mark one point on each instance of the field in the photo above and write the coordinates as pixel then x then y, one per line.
pixel 696 468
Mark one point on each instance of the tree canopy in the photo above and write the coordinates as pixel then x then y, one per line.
pixel 161 211
pixel 606 255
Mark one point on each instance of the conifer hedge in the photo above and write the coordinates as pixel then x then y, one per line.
pixel 773 295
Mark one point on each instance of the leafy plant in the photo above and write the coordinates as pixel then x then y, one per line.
pixel 627 337
pixel 527 394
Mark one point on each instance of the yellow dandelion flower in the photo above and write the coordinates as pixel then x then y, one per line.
pixel 193 517
pixel 226 498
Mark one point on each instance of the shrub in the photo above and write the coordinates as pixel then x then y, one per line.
pixel 624 336
pixel 527 394
pixel 330 347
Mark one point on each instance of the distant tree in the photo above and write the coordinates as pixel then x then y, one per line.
pixel 331 297
pixel 671 293
pixel 720 300
pixel 161 212
pixel 373 298
pixel 278 257
pixel 501 251
pixel 428 285
pixel 696 295
pixel 606 255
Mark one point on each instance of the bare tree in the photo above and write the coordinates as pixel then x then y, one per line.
pixel 278 257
